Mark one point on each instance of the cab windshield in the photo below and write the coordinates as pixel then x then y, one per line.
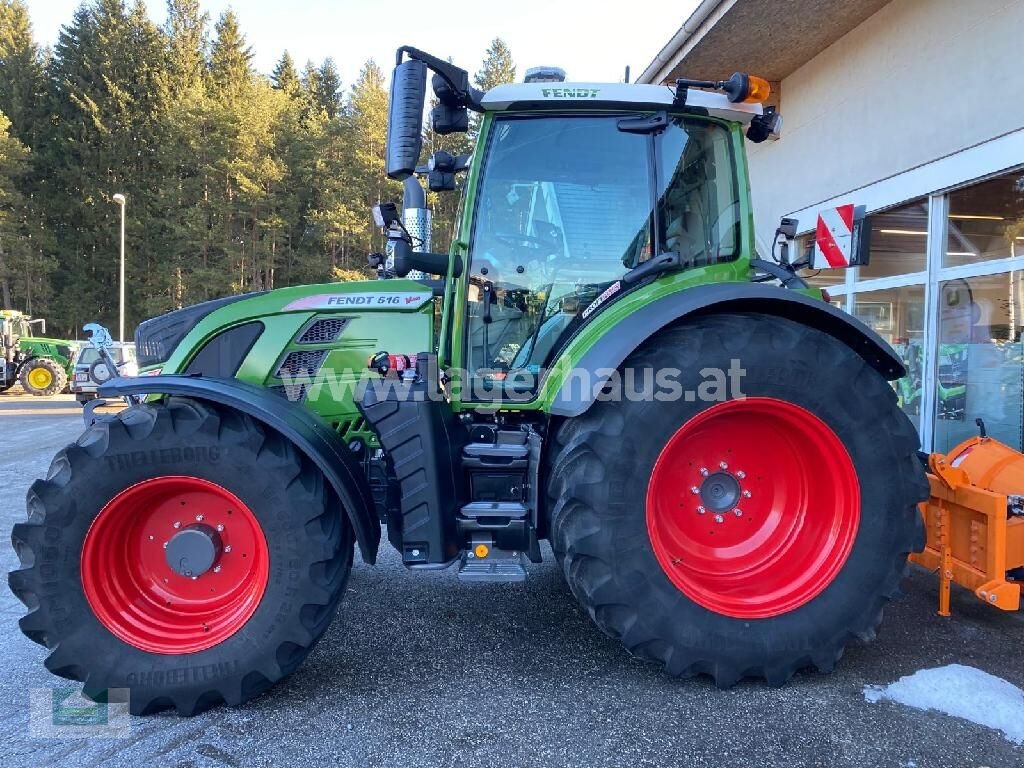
pixel 566 206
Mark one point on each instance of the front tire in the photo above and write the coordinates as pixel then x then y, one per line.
pixel 747 537
pixel 181 551
pixel 42 376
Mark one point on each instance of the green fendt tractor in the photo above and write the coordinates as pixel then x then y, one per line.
pixel 42 366
pixel 713 452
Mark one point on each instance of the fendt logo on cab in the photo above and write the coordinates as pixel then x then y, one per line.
pixel 570 93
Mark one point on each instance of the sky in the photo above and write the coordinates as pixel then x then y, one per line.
pixel 589 42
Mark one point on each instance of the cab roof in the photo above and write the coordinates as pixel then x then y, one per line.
pixel 613 96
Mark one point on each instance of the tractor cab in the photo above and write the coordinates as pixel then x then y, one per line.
pixel 580 194
pixel 540 258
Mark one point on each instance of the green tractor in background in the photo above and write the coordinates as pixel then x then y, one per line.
pixel 42 366
pixel 713 452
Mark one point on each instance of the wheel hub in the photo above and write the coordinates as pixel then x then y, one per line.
pixel 194 550
pixel 720 491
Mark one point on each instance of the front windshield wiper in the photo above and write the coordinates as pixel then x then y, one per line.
pixel 663 262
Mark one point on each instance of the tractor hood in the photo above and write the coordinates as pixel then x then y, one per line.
pixel 157 340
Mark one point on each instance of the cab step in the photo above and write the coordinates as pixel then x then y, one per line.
pixel 484 563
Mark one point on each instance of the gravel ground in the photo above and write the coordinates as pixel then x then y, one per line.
pixel 418 669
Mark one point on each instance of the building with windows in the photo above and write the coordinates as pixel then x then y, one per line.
pixel 911 108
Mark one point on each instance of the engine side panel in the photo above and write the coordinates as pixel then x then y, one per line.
pixel 314 343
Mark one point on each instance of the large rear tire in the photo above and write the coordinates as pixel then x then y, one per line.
pixel 749 537
pixel 183 552
pixel 42 376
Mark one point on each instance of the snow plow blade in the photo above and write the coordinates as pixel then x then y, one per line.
pixel 975 521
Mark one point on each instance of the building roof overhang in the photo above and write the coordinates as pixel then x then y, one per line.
pixel 768 38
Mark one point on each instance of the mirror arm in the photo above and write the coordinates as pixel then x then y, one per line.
pixel 456 77
pixel 406 260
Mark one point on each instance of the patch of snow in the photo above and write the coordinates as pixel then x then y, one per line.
pixel 960 691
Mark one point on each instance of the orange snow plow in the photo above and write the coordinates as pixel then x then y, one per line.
pixel 975 521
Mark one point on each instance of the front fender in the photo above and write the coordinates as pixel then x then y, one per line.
pixel 613 347
pixel 311 436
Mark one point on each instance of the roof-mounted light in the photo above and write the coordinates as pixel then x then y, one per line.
pixel 544 75
pixel 741 87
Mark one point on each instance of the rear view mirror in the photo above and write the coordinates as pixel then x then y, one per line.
pixel 405 119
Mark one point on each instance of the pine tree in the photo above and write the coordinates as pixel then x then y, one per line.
pixel 108 100
pixel 22 82
pixel 26 260
pixel 498 66
pixel 230 57
pixel 186 31
pixel 310 82
pixel 367 128
pixel 285 77
pixel 13 164
pixel 328 88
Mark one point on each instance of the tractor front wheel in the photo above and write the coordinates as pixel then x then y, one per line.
pixel 183 552
pixel 42 376
pixel 750 534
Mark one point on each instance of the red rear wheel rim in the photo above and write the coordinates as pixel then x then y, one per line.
pixel 798 500
pixel 140 598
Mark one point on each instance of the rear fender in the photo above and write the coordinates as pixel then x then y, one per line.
pixel 611 350
pixel 310 435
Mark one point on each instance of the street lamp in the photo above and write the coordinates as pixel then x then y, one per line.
pixel 122 201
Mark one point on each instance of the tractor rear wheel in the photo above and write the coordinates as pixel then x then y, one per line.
pixel 752 535
pixel 183 552
pixel 42 376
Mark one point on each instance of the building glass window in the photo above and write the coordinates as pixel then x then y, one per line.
pixel 980 360
pixel 986 221
pixel 899 241
pixel 897 315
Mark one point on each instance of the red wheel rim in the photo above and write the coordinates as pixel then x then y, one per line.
pixel 136 593
pixel 798 500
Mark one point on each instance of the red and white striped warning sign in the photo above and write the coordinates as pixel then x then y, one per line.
pixel 833 241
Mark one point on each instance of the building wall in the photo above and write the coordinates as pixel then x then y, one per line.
pixel 919 80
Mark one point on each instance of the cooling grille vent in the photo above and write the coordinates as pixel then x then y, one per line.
pixel 324 331
pixel 294 392
pixel 301 364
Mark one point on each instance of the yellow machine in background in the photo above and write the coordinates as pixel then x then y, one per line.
pixel 975 521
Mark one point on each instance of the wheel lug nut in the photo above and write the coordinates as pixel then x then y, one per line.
pixel 694 490
pixel 177 524
pixel 723 465
pixel 227 548
pixel 700 510
pixel 738 512
pixel 199 518
pixel 704 472
pixel 216 569
pixel 719 518
pixel 165 545
pixel 220 526
pixel 741 474
pixel 746 494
